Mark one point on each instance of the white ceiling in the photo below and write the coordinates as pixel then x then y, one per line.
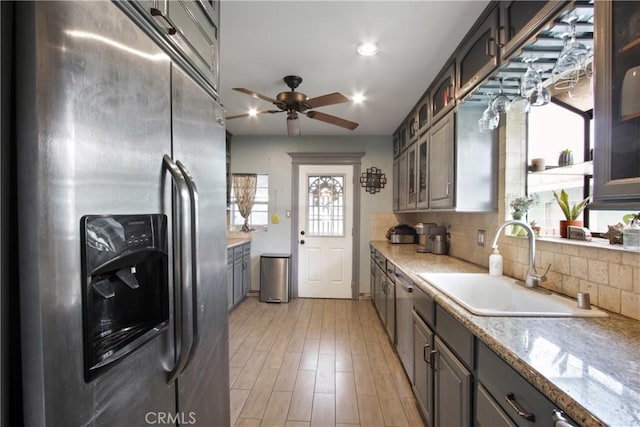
pixel 263 41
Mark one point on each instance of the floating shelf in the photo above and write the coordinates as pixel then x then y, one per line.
pixel 585 168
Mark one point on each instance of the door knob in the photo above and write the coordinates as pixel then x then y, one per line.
pixel 302 242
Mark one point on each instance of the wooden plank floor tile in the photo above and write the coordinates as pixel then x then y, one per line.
pixel 324 410
pixel 346 399
pixel 302 398
pixel 315 362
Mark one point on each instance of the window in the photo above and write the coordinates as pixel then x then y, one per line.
pixel 552 129
pixel 325 205
pixel 259 218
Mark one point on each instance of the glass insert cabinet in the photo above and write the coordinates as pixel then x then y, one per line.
pixel 617 105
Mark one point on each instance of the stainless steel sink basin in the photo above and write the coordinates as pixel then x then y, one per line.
pixel 486 295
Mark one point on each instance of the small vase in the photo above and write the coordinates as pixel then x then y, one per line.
pixel 566 223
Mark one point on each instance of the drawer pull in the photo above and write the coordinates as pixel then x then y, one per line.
pixel 161 19
pixel 511 400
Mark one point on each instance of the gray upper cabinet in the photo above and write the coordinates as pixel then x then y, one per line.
pixel 192 29
pixel 423 114
pixel 402 182
pixel 422 171
pixel 411 124
pixel 478 55
pixel 396 184
pixel 442 93
pixel 520 20
pixel 412 193
pixel 463 163
pixel 617 110
pixel 441 163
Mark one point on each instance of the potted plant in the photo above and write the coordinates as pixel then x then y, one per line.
pixel 521 204
pixel 566 158
pixel 535 227
pixel 571 212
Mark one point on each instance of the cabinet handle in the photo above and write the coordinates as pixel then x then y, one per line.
pixel 511 400
pixel 490 47
pixel 446 188
pixel 161 19
pixel 424 354
pixel 502 36
pixel 432 356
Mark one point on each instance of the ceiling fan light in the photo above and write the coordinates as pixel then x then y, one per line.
pixel 293 125
pixel 358 98
pixel 368 49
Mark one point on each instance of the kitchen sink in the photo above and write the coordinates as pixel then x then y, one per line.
pixel 486 295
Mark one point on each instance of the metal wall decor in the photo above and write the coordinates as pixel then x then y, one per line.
pixel 373 180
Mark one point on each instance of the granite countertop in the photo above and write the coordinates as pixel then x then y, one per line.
pixel 589 367
pixel 232 242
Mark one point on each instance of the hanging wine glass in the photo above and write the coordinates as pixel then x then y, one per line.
pixel 519 103
pixel 572 60
pixel 489 119
pixel 530 79
pixel 501 102
pixel 541 96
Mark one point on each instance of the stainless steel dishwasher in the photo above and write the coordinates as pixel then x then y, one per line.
pixel 404 321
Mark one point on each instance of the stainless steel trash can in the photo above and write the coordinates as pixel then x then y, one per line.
pixel 275 277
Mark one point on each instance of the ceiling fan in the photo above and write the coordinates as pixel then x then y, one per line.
pixel 297 102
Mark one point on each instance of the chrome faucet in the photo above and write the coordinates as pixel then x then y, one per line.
pixel 533 277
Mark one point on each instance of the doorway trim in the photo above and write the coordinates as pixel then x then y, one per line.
pixel 353 159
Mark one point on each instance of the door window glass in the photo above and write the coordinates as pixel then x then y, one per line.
pixel 325 205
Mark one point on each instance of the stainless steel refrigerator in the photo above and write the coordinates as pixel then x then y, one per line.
pixel 108 127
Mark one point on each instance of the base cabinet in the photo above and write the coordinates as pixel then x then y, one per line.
pixel 488 412
pixel 452 388
pixel 422 373
pixel 515 397
pixel 229 279
pixel 238 273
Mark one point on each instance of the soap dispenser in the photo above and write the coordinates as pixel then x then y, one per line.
pixel 495 263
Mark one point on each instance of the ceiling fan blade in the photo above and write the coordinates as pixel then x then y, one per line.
pixel 237 116
pixel 329 99
pixel 255 94
pixel 328 118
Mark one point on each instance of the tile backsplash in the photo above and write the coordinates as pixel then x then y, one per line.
pixel 609 273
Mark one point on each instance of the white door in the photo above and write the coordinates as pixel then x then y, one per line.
pixel 325 231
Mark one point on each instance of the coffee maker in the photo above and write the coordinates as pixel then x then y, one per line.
pixel 427 232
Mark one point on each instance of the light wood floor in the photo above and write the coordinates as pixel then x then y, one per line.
pixel 315 362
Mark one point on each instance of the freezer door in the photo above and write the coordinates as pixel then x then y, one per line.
pixel 93 121
pixel 199 145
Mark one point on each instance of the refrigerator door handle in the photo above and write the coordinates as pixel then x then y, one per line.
pixel 183 306
pixel 193 191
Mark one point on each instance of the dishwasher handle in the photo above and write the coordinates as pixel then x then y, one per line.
pixel 404 282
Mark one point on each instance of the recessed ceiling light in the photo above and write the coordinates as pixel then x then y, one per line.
pixel 253 112
pixel 368 49
pixel 358 98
